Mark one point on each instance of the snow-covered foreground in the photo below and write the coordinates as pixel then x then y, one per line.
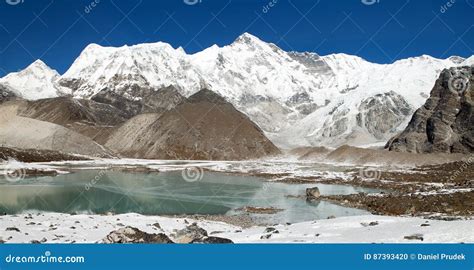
pixel 64 228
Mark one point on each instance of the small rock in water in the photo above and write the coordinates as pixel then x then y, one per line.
pixel 414 237
pixel 266 236
pixel 134 235
pixel 312 193
pixel 425 225
pixel 331 217
pixel 157 225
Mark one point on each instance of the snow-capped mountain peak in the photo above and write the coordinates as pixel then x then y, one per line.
pixel 147 66
pixel 456 59
pixel 247 38
pixel 36 81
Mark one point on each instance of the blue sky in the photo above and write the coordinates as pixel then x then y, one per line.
pixel 384 31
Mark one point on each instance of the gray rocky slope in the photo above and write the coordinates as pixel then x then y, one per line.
pixel 204 126
pixel 445 124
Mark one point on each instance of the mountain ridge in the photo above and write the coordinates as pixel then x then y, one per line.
pixel 297 98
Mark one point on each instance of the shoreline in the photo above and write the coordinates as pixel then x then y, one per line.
pixel 65 228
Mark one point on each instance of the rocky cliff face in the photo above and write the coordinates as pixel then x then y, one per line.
pixel 6 93
pixel 152 101
pixel 205 126
pixel 445 124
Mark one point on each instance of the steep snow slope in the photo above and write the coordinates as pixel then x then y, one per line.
pixel 468 62
pixel 372 102
pixel 37 81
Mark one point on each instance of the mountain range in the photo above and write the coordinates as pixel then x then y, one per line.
pixel 296 99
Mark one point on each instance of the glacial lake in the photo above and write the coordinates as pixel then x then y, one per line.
pixel 167 193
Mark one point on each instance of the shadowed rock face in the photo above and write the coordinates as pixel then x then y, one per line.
pixel 383 113
pixel 152 101
pixel 66 110
pixel 6 94
pixel 205 126
pixel 92 119
pixel 445 124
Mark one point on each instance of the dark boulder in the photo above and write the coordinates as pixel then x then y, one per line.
pixel 134 235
